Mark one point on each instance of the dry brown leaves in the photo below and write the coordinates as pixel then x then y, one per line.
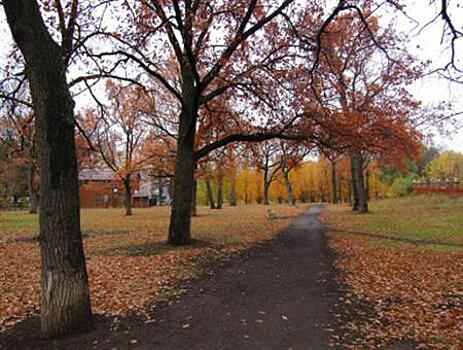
pixel 129 265
pixel 416 292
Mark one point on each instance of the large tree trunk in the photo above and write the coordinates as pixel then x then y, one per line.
pixel 210 195
pixel 334 183
pixel 33 196
pixel 180 218
pixel 65 295
pixel 219 189
pixel 359 182
pixel 354 192
pixel 128 196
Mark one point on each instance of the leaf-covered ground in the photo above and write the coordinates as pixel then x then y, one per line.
pixel 415 291
pixel 129 264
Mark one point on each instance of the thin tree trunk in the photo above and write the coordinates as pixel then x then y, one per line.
pixel 65 302
pixel 354 192
pixel 266 186
pixel 233 200
pixel 360 182
pixel 128 196
pixel 334 182
pixel 220 189
pixel 367 184
pixel 288 186
pixel 210 195
pixel 33 197
pixel 193 199
pixel 160 192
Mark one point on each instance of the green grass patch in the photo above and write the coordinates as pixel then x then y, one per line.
pixel 420 218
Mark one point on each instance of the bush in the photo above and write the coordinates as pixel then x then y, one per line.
pixel 402 185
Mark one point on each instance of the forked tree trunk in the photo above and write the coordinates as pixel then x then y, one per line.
pixel 210 195
pixel 334 183
pixel 33 197
pixel 65 305
pixel 360 182
pixel 128 196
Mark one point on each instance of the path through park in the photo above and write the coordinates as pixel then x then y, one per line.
pixel 276 297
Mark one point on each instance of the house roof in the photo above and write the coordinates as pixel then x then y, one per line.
pixel 97 175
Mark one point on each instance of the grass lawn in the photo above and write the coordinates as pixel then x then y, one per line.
pixel 415 290
pixel 129 264
pixel 435 218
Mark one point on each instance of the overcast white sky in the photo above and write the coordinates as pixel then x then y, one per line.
pixel 425 44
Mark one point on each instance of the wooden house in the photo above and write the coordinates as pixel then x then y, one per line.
pixel 102 188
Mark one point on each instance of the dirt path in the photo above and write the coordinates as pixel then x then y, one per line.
pixel 277 297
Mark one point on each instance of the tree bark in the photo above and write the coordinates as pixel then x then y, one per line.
pixel 367 184
pixel 288 186
pixel 354 192
pixel 266 186
pixel 180 218
pixel 210 195
pixel 160 192
pixel 359 182
pixel 334 183
pixel 65 302
pixel 128 196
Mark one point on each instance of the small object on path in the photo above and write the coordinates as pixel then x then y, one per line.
pixel 272 214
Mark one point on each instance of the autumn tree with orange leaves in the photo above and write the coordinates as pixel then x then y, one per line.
pixel 122 137
pixel 209 49
pixel 360 87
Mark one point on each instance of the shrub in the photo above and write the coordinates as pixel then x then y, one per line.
pixel 402 185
